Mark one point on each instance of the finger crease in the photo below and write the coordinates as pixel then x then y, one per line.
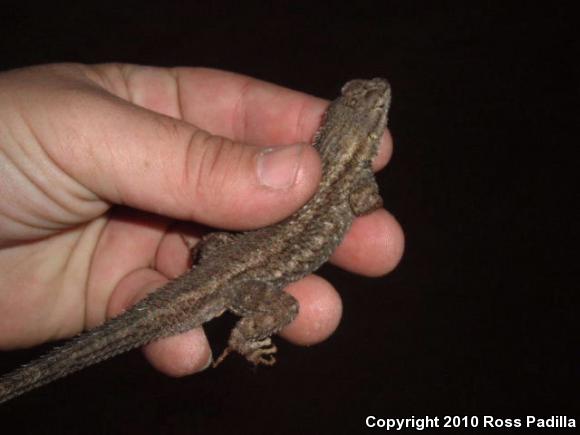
pixel 240 113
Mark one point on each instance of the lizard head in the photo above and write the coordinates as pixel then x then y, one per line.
pixel 354 124
pixel 370 101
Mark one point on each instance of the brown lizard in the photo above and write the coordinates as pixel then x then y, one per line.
pixel 246 272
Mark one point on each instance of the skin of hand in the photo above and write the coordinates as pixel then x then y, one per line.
pixel 106 170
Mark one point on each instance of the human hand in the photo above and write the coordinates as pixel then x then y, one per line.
pixel 102 166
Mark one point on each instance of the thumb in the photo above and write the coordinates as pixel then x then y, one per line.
pixel 132 156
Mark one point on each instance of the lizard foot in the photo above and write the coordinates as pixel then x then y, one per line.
pixel 261 352
pixel 264 311
pixel 264 354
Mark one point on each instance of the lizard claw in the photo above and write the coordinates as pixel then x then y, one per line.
pixel 263 356
pixel 218 361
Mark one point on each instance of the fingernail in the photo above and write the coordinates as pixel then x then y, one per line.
pixel 278 166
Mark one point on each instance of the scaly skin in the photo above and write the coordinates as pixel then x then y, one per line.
pixel 246 272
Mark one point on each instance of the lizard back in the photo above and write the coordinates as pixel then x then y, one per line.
pixel 267 258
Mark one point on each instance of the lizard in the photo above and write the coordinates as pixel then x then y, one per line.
pixel 245 273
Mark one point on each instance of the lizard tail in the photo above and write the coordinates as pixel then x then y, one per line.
pixel 86 349
pixel 150 319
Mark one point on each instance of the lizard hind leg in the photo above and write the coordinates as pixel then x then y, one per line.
pixel 264 311
pixel 365 196
pixel 209 244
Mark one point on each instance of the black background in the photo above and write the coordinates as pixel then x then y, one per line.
pixel 478 317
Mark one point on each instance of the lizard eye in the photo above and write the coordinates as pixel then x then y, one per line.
pixel 351 102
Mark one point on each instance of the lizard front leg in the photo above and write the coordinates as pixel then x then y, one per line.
pixel 265 310
pixel 364 197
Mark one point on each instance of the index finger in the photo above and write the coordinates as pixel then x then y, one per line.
pixel 227 104
pixel 248 109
